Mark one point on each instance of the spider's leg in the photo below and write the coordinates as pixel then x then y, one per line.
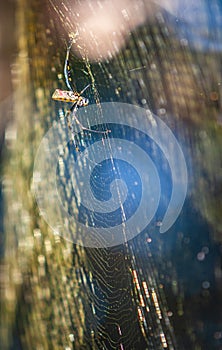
pixel 70 113
pixel 70 126
pixel 67 69
pixel 81 92
pixel 74 109
pixel 71 40
pixel 87 129
pixel 90 130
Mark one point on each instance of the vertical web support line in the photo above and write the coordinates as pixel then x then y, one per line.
pixel 110 150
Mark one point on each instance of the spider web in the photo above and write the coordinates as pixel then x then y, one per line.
pixel 123 300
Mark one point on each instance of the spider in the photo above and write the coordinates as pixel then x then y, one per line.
pixel 74 97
